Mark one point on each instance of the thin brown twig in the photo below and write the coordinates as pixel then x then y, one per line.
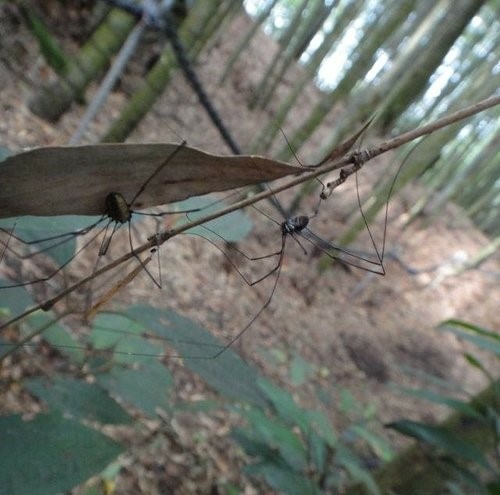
pixel 116 288
pixel 312 172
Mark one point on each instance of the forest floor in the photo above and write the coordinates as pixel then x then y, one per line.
pixel 357 331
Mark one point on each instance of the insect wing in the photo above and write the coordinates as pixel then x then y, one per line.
pixel 344 255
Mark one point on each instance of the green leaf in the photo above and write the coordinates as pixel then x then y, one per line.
pixel 232 227
pixel 228 374
pixel 146 388
pixel 483 341
pixel 278 437
pixel 300 371
pixel 79 399
pixel 459 473
pixel 15 299
pixel 318 451
pixel 253 447
pixel 285 406
pixel 58 336
pixel 50 454
pixel 475 363
pixel 441 438
pixel 109 328
pixel 437 398
pixel 284 480
pixel 34 230
pixel 124 337
pixel 432 379
pixel 347 403
pixel 351 462
pixel 323 427
pixel 379 445
pixel 469 326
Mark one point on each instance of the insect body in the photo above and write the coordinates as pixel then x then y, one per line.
pixel 294 224
pixel 117 208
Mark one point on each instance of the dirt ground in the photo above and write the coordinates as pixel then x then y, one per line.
pixel 357 330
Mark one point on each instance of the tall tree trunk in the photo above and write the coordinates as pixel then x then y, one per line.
pixel 416 77
pixel 290 53
pixel 313 24
pixel 245 41
pixel 377 32
pixel 53 100
pixel 191 31
pixel 264 140
pixel 284 41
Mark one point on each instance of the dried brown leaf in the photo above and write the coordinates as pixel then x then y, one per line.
pixel 76 180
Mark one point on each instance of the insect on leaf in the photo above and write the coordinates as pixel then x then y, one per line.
pixel 75 180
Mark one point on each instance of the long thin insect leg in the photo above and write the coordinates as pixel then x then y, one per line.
pixel 299 243
pixel 103 249
pixel 6 244
pixel 136 256
pixel 261 310
pixel 380 254
pixel 231 262
pixel 296 201
pixel 235 338
pixel 248 282
pixel 106 241
pixel 374 244
pixel 48 277
pixel 249 258
pixel 330 250
pixel 156 172
pixel 70 235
